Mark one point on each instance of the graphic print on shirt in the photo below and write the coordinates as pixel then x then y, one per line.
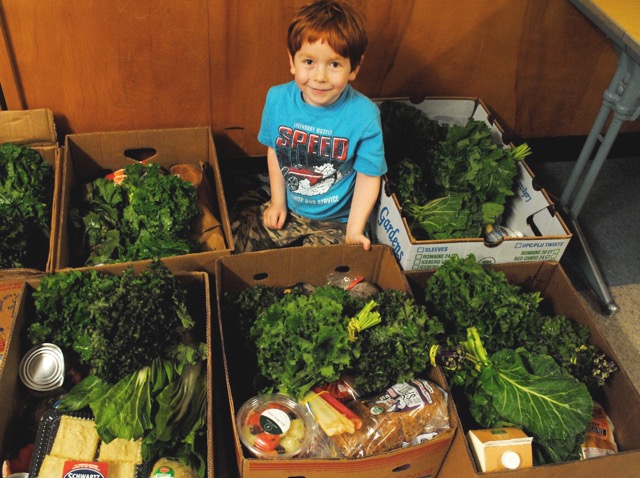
pixel 311 160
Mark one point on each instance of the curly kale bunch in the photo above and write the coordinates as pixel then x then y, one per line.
pixel 26 198
pixel 148 215
pixel 464 294
pixel 398 349
pixel 116 325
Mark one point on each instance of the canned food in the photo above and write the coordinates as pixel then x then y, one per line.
pixel 42 368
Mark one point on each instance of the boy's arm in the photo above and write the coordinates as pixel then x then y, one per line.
pixel 276 213
pixel 365 196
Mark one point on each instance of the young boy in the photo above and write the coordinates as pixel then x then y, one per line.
pixel 325 153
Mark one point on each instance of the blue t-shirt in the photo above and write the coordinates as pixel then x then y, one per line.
pixel 320 149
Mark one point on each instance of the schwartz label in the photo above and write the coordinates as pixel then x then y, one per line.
pixel 77 469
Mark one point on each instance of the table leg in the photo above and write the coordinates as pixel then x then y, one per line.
pixel 623 98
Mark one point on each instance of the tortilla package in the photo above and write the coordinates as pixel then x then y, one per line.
pixel 408 413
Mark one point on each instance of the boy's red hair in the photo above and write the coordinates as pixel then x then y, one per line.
pixel 333 21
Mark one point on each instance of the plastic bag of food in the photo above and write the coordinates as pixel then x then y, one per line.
pixel 599 439
pixel 408 413
pixel 356 285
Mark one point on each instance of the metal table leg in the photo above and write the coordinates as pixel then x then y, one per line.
pixel 623 98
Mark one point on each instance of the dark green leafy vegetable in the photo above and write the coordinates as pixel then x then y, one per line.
pixel 148 215
pixel 515 387
pixel 303 340
pixel 397 349
pixel 116 324
pixel 464 294
pixel 436 162
pixel 286 327
pixel 26 199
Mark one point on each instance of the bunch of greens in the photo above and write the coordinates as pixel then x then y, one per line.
pixel 26 198
pixel 411 141
pixel 303 340
pixel 396 350
pixel 115 324
pixel 164 403
pixel 148 215
pixel 452 181
pixel 530 391
pixel 147 376
pixel 301 337
pixel 464 294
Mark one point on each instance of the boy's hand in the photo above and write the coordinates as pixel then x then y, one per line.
pixel 274 216
pixel 359 239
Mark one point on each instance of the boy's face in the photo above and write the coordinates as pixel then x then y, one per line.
pixel 321 73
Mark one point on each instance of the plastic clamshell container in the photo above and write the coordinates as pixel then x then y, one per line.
pixel 276 426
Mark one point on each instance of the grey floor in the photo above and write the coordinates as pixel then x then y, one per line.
pixel 609 217
pixel 611 226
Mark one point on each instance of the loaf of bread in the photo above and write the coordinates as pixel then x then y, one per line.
pixel 407 413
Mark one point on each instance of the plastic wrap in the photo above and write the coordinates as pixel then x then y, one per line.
pixel 408 413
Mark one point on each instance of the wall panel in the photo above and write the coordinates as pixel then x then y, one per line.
pixel 539 65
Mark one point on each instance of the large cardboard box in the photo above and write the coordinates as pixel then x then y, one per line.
pixel 621 399
pixel 90 155
pixel 529 211
pixel 16 401
pixel 283 267
pixel 35 129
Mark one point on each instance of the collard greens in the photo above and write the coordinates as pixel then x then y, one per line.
pixel 451 181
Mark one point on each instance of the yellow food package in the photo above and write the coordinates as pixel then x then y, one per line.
pixel 599 439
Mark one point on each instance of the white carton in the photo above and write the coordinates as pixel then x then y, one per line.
pixel 529 211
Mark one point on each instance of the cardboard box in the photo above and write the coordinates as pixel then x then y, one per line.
pixel 620 398
pixel 9 294
pixel 283 267
pixel 87 156
pixel 529 211
pixel 15 399
pixel 35 129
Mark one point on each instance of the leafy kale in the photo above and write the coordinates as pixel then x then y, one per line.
pixel 115 324
pixel 26 198
pixel 301 337
pixel 397 349
pixel 464 294
pixel 430 163
pixel 302 340
pixel 148 215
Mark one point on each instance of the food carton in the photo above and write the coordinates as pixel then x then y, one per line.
pixel 620 398
pixel 529 212
pixel 91 155
pixel 35 129
pixel 283 267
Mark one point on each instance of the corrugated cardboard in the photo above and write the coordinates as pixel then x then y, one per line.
pixel 282 267
pixel 529 211
pixel 621 400
pixel 13 394
pixel 35 129
pixel 28 127
pixel 87 155
pixel 9 296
